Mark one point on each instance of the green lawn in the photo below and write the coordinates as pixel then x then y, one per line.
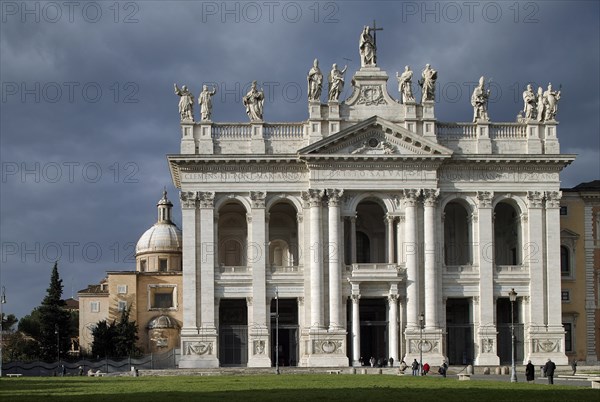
pixel 283 388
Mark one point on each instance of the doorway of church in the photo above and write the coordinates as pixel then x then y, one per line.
pixel 288 332
pixel 503 323
pixel 459 331
pixel 373 330
pixel 233 333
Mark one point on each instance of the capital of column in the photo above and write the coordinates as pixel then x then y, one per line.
pixel 355 298
pixel 334 196
pixel 249 218
pixel 534 199
pixel 188 199
pixel 393 298
pixel 313 197
pixel 430 196
pixel 553 199
pixel 299 218
pixel 301 301
pixel 206 199
pixel 410 197
pixel 258 199
pixel 249 301
pixel 389 219
pixel 484 199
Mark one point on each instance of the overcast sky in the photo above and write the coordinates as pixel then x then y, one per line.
pixel 88 111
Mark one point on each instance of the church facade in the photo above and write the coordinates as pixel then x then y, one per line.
pixel 370 230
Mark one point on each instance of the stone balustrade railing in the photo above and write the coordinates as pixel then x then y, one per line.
pixel 469 130
pixel 508 131
pixel 232 130
pixel 284 130
pixel 511 268
pixel 234 269
pixel 286 269
pixel 461 268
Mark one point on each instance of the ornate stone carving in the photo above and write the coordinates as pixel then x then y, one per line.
pixel 249 301
pixel 475 299
pixel 300 218
pixel 334 195
pixel 529 103
pixel 188 199
pixel 484 199
pixel 197 348
pixel 487 345
pixel 427 346
pixel 374 146
pixel 553 199
pixel 535 199
pixel 159 338
pixel 355 298
pixel 431 196
pixel 206 199
pixel 249 218
pixel 371 95
pixel 410 197
pixel 301 301
pixel 551 99
pixel 367 49
pixel 393 298
pixel 546 345
pixel 259 347
pixel 328 346
pixel 313 197
pixel 524 217
pixel 258 199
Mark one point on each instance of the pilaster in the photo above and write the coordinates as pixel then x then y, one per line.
pixel 257 144
pixel 188 143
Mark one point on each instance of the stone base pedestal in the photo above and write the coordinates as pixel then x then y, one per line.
pixel 430 344
pixel 258 351
pixel 326 349
pixel 199 351
pixel 549 345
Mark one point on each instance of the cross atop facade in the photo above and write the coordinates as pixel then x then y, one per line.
pixel 374 30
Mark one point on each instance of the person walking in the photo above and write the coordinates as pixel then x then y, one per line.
pixel 550 367
pixel 426 368
pixel 415 367
pixel 530 372
pixel 574 366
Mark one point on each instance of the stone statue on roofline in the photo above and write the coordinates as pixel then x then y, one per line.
pixel 405 85
pixel 427 84
pixel 254 101
pixel 205 102
pixel 368 57
pixel 336 82
pixel 186 103
pixel 551 99
pixel 315 82
pixel 529 103
pixel 479 101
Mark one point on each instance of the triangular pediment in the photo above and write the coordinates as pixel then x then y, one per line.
pixel 375 136
pixel 566 233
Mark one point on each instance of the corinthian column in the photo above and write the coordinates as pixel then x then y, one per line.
pixel 389 236
pixel 355 329
pixel 207 266
pixel 553 258
pixel 393 326
pixel 431 297
pixel 410 251
pixel 314 198
pixel 189 224
pixel 335 269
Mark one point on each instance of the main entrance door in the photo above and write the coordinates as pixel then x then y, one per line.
pixel 233 332
pixel 459 326
pixel 373 329
pixel 503 307
pixel 288 332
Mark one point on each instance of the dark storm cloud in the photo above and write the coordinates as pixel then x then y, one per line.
pixel 88 110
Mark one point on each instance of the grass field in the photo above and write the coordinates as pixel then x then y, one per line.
pixel 284 388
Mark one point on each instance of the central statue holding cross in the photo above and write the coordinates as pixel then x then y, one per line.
pixel 368 46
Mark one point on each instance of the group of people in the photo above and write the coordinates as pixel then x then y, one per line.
pixel 548 370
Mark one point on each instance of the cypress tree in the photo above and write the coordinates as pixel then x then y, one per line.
pixel 54 321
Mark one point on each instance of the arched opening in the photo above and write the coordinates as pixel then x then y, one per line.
pixel 232 235
pixel 370 234
pixel 565 261
pixel 283 236
pixel 507 235
pixel 457 235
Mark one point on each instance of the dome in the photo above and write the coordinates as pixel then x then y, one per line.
pixel 164 235
pixel 162 321
pixel 160 237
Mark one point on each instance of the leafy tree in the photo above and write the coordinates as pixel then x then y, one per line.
pixel 8 321
pixel 30 324
pixel 116 339
pixel 54 320
pixel 19 346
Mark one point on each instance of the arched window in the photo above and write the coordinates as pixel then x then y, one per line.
pixel 457 235
pixel 507 235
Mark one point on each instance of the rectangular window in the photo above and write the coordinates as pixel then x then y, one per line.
pixel 563 210
pixel 565 296
pixel 568 337
pixel 94 306
pixel 162 297
pixel 162 265
pixel 122 306
pixel 122 289
pixel 143 266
